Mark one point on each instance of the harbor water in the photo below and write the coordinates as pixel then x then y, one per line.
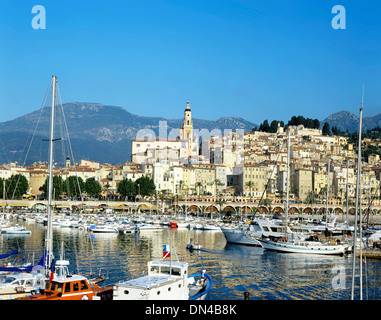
pixel 235 269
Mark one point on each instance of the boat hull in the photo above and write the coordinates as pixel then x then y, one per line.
pixel 239 237
pixel 313 249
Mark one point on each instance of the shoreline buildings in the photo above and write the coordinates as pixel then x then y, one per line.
pixel 197 163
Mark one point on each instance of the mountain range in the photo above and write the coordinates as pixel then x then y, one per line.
pixel 345 120
pixel 97 132
pixel 103 133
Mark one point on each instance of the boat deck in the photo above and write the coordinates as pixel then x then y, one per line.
pixel 149 282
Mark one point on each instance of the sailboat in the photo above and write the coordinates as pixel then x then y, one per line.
pixel 20 281
pixel 295 245
pixel 61 284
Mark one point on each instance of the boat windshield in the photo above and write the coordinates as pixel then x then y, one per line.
pixel 55 286
pixel 165 270
pixel 7 279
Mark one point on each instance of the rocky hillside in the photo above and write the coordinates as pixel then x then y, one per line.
pixel 345 120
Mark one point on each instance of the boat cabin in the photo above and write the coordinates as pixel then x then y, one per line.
pixel 65 286
pixel 165 281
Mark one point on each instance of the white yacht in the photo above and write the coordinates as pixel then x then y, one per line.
pixel 260 228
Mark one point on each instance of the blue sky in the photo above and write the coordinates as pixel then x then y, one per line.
pixel 252 59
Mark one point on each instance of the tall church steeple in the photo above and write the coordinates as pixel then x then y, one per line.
pixel 188 125
pixel 187 128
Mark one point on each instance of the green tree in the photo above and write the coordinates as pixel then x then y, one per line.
pixel 198 186
pixel 16 186
pixel 93 188
pixel 58 187
pixel 316 124
pixel 326 130
pixel 274 126
pixel 73 186
pixel 264 127
pixel 250 185
pixel 146 185
pixel 127 188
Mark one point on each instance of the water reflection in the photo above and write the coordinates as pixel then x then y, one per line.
pixel 234 268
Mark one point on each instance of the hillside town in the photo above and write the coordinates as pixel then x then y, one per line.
pixel 237 165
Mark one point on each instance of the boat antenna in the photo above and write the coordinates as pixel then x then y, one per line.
pixel 172 247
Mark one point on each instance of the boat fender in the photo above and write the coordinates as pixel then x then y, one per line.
pixel 85 297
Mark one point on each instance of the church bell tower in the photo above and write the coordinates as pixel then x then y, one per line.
pixel 186 131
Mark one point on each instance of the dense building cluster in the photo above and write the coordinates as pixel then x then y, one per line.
pixel 196 163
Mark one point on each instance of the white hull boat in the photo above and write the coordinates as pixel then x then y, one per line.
pixel 149 227
pixel 104 229
pixel 240 235
pixel 165 281
pixel 305 247
pixel 16 230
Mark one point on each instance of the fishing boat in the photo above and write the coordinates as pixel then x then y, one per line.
pixel 64 286
pixel 166 280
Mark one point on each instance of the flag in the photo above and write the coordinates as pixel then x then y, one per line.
pixel 52 269
pixel 364 261
pixel 166 251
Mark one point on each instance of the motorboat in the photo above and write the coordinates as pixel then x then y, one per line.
pixel 193 245
pixel 166 280
pixel 16 229
pixel 149 227
pixel 65 286
pixel 104 228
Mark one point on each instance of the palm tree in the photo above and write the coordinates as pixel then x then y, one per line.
pixel 216 182
pixel 181 182
pixel 220 203
pixel 198 186
pixel 105 188
pixel 250 185
pixel 162 197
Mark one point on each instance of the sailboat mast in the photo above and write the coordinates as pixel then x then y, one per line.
pixel 49 238
pixel 357 205
pixel 347 203
pixel 326 205
pixel 288 178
